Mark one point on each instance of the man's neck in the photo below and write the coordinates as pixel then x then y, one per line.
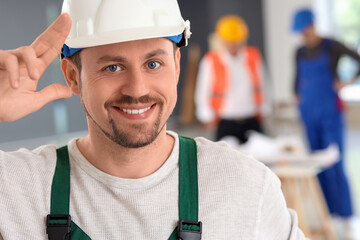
pixel 123 162
pixel 315 41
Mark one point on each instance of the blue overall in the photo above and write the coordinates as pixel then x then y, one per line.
pixel 324 124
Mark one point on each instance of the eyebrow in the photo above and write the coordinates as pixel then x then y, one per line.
pixel 109 58
pixel 156 53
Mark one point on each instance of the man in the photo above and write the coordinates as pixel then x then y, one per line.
pixel 231 84
pixel 129 178
pixel 316 86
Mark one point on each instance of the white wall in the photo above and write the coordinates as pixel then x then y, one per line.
pixel 281 44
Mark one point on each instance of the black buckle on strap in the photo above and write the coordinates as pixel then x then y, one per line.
pixel 58 226
pixel 184 233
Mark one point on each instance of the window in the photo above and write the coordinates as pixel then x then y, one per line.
pixel 347 30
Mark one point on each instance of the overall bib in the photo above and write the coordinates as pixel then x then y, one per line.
pixel 60 226
pixel 324 124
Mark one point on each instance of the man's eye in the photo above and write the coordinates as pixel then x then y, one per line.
pixel 153 65
pixel 113 68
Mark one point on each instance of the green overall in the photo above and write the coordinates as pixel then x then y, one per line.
pixel 60 226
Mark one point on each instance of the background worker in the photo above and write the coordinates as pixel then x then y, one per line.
pixel 129 177
pixel 231 91
pixel 316 86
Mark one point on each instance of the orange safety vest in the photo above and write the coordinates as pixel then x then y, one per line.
pixel 220 84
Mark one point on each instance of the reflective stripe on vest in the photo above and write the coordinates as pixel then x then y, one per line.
pixel 60 226
pixel 221 79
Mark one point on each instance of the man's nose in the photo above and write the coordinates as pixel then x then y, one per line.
pixel 136 85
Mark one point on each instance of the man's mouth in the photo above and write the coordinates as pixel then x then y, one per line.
pixel 134 111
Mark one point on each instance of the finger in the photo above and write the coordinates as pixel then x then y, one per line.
pixel 29 57
pixel 10 64
pixel 52 92
pixel 53 38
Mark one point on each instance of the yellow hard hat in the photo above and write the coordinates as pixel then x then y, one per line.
pixel 232 28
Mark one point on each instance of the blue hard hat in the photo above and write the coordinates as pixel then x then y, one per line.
pixel 302 19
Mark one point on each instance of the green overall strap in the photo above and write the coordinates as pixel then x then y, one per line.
pixel 59 223
pixel 188 191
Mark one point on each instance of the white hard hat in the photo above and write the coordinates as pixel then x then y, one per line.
pixel 100 22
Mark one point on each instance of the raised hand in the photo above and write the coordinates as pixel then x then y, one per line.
pixel 21 69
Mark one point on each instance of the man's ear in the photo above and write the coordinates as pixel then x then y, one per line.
pixel 177 62
pixel 71 74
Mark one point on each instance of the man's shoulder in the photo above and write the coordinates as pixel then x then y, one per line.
pixel 230 173
pixel 25 154
pixel 213 56
pixel 253 49
pixel 221 155
pixel 25 162
pixel 220 147
pixel 25 184
pixel 300 51
pixel 24 171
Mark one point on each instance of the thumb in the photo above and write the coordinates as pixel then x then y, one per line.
pixel 52 92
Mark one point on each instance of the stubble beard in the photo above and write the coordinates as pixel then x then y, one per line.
pixel 138 135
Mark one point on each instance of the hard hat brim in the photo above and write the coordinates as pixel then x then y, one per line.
pixel 122 36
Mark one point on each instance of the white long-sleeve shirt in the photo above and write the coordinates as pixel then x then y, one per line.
pixel 239 198
pixel 239 100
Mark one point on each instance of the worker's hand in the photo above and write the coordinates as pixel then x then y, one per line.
pixel 340 84
pixel 21 69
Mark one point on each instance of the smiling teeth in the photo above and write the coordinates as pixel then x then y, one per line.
pixel 135 111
